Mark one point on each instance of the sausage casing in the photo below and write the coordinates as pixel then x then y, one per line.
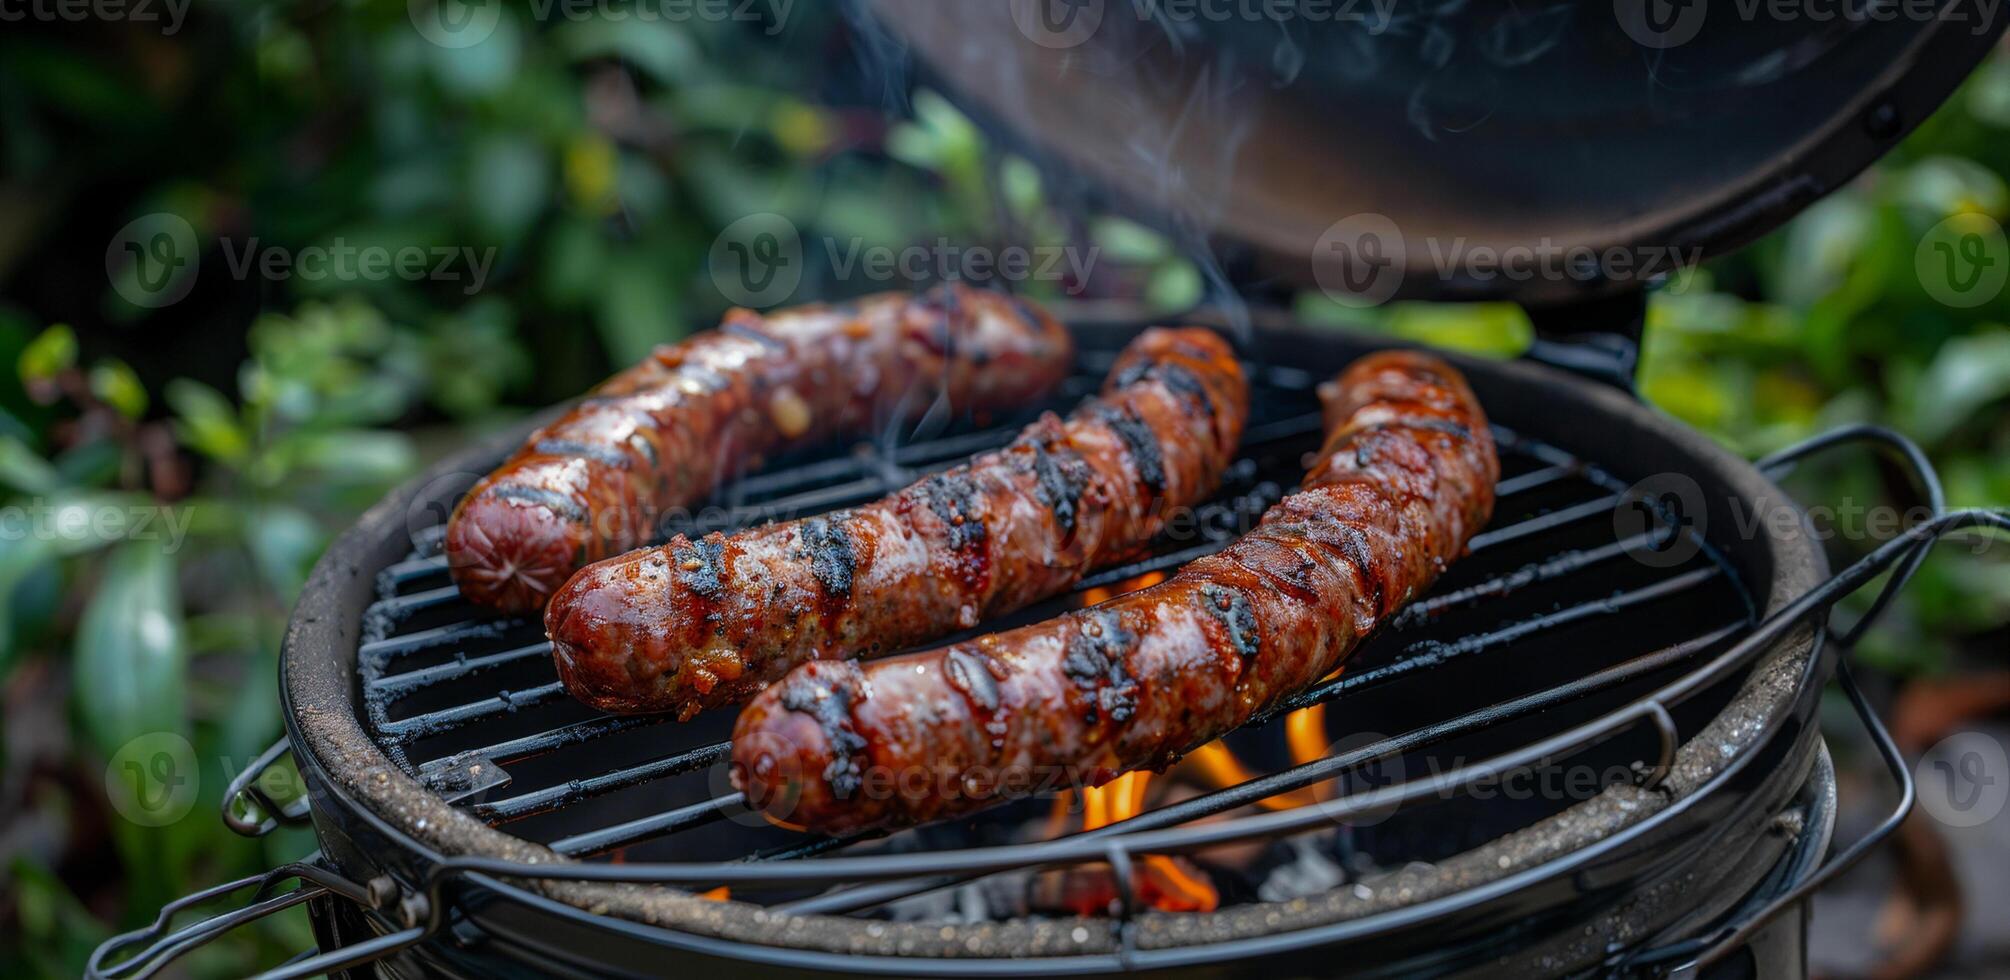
pixel 665 432
pixel 701 624
pixel 1405 478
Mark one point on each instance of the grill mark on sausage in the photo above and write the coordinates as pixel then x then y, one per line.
pixel 1060 476
pixel 1095 659
pixel 1139 444
pixel 1231 609
pixel 953 498
pixel 562 504
pixel 701 566
pixel 573 449
pixel 830 706
pixel 704 377
pixel 970 675
pixel 1446 426
pixel 829 550
pixel 741 328
pixel 646 449
pixel 1177 378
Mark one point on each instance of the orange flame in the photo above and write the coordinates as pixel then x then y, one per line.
pixel 1304 734
pixel 1100 595
pixel 719 894
pixel 1164 883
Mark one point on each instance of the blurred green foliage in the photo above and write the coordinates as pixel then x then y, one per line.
pixel 599 162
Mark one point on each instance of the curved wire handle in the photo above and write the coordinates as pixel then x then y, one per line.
pixel 1696 954
pixel 164 947
pixel 261 814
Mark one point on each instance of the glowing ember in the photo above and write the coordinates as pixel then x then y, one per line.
pixel 719 894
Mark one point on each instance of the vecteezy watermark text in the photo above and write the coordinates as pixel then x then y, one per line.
pixel 168 13
pixel 1363 259
pixel 343 262
pixel 75 521
pixel 1064 24
pixel 463 24
pixel 154 261
pixel 1663 24
pixel 760 260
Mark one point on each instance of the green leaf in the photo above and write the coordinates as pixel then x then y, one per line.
pixel 1175 286
pixel 638 310
pixel 284 541
pixel 509 184
pixel 24 470
pixel 1968 374
pixel 48 355
pixel 19 561
pixel 660 49
pixel 207 423
pixel 115 384
pixel 131 659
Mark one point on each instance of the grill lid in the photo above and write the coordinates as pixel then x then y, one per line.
pixel 1539 153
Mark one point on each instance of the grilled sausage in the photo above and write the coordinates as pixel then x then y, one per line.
pixel 1403 481
pixel 665 432
pixel 700 624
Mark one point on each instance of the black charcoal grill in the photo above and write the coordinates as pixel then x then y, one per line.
pixel 475 821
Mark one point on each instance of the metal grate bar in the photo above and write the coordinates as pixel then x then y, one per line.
pixel 572 791
pixel 1421 612
pixel 624 834
pixel 1547 522
pixel 1436 653
pixel 1536 479
pixel 544 743
pixel 399 685
pixel 411 570
pixel 378 652
pixel 448 719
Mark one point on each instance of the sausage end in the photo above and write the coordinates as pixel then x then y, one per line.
pixel 510 555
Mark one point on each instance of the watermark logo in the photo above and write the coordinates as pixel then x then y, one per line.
pixel 1661 520
pixel 1660 24
pixel 454 23
pixel 758 260
pixel 434 504
pixel 1965 780
pixel 1963 260
pixel 780 765
pixel 153 779
pixel 152 261
pixel 1379 772
pixel 1359 261
pixel 1057 24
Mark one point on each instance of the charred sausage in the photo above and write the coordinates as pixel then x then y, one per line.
pixel 1405 478
pixel 665 432
pixel 700 624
